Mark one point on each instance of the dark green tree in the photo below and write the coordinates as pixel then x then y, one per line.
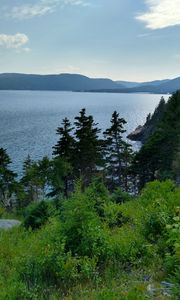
pixel 64 149
pixel 88 147
pixel 35 179
pixel 8 184
pixel 117 154
pixel 65 145
pixel 59 177
pixel 127 175
pixel 156 158
pixel 153 120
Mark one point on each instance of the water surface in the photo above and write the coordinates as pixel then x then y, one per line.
pixel 28 119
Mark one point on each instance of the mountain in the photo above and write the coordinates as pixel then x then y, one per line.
pixel 128 84
pixel 170 86
pixel 77 82
pixel 165 87
pixel 154 83
pixel 61 82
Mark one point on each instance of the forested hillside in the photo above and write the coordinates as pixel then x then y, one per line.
pixel 159 156
pixel 98 221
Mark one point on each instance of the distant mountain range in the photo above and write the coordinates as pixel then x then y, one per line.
pixel 76 82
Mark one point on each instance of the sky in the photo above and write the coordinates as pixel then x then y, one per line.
pixel 135 40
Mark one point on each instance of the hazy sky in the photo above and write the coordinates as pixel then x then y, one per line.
pixel 119 39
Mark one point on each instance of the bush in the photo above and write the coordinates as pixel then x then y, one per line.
pixel 37 215
pixel 113 215
pixel 81 246
pixel 158 201
pixel 86 234
pixel 120 197
pixel 172 259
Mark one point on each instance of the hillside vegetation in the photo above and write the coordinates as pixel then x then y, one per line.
pixel 98 221
pixel 93 248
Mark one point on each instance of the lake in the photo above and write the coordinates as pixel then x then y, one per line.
pixel 28 119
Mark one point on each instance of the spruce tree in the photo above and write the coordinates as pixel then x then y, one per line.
pixel 117 153
pixel 88 151
pixel 35 179
pixel 65 145
pixel 60 177
pixel 64 151
pixel 8 184
pixel 127 175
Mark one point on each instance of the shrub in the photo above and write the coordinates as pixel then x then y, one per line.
pixel 113 215
pixel 120 197
pixel 37 215
pixel 158 201
pixel 172 261
pixel 85 233
pixel 80 245
pixel 127 244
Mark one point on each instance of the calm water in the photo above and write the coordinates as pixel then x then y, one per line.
pixel 28 120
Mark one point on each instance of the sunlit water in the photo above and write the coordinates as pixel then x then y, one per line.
pixel 28 119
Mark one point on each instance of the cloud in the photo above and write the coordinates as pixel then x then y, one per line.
pixel 42 7
pixel 161 14
pixel 16 41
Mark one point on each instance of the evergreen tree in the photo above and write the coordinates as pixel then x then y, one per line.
pixel 88 148
pixel 127 175
pixel 8 184
pixel 35 179
pixel 176 166
pixel 64 149
pixel 59 177
pixel 153 120
pixel 65 145
pixel 156 158
pixel 117 153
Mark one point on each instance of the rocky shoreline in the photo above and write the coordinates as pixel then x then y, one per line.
pixel 137 134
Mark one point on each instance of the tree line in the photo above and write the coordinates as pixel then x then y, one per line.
pixel 81 153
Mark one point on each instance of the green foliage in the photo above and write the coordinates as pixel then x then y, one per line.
pixel 8 184
pixel 88 150
pixel 98 195
pixel 152 121
pixel 37 265
pixel 64 151
pixel 158 201
pixel 113 215
pixel 172 261
pixel 58 175
pixel 65 146
pixel 117 154
pixel 156 159
pixel 2 211
pixel 86 235
pixel 37 215
pixel 176 166
pixel 118 196
pixel 103 246
pixel 35 179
